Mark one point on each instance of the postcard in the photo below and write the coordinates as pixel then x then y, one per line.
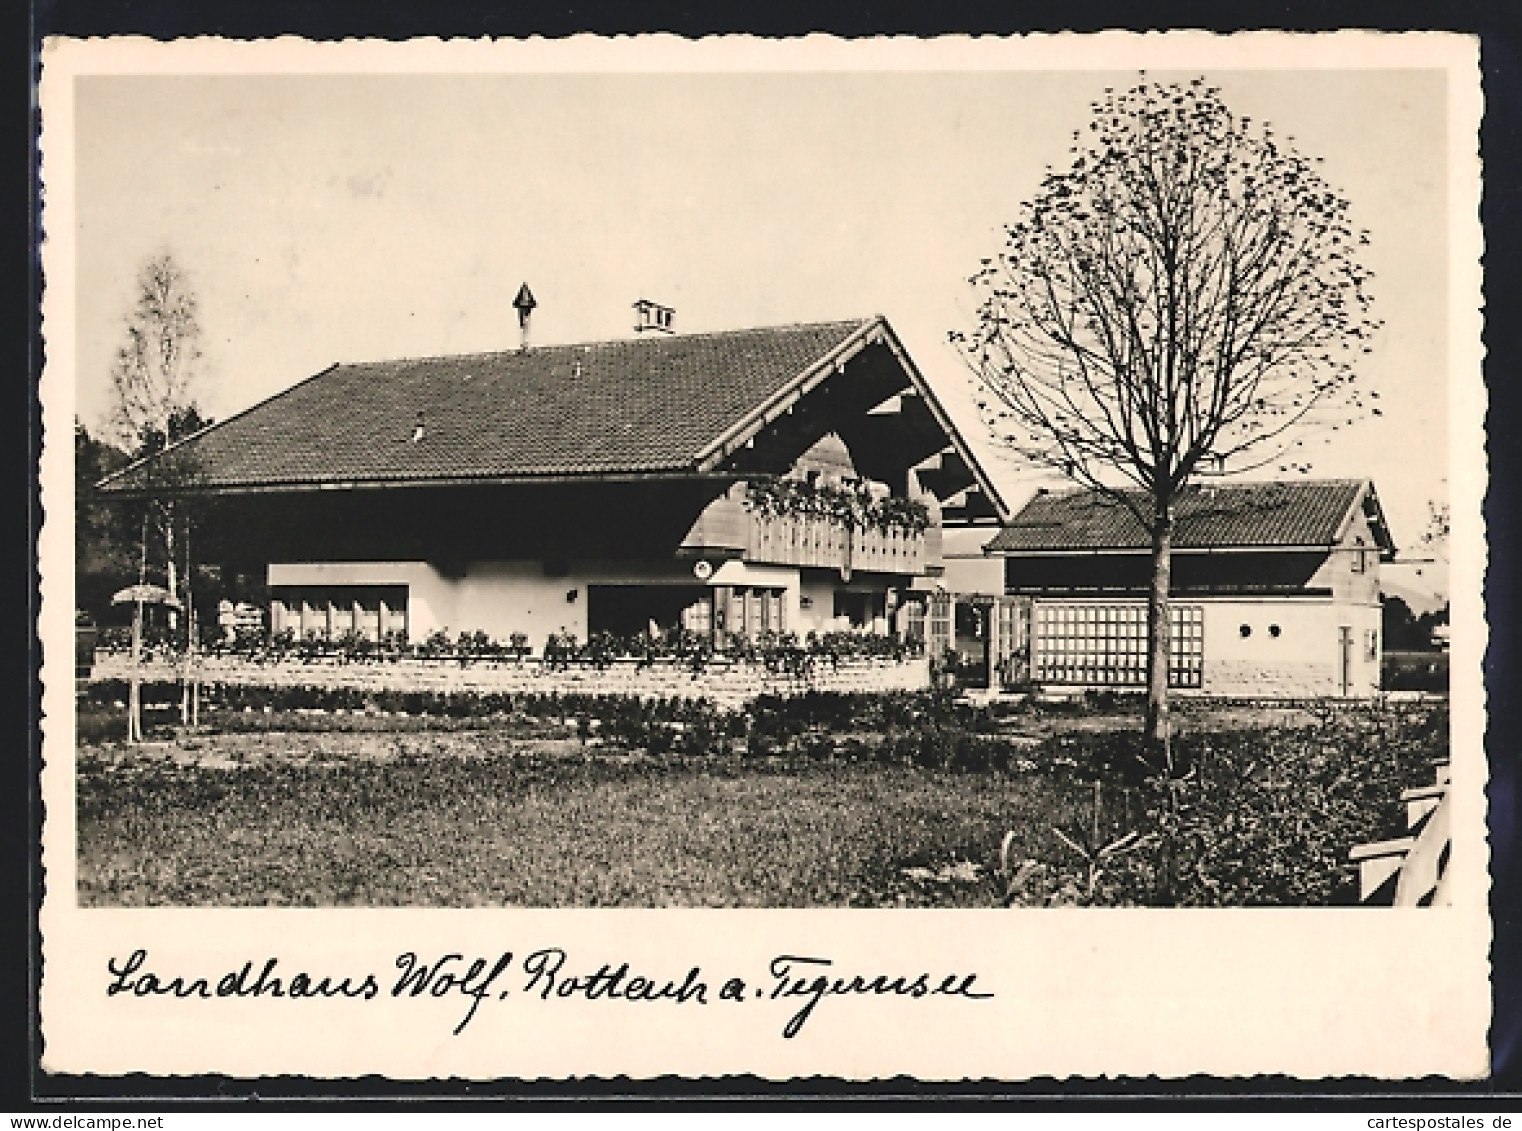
pixel 954 558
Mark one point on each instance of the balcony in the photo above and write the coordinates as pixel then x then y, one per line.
pixel 727 529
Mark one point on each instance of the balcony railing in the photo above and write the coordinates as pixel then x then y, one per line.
pixel 727 529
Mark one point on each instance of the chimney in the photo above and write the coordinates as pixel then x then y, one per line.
pixel 524 304
pixel 653 316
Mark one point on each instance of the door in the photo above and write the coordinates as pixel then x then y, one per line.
pixel 969 628
pixel 1345 659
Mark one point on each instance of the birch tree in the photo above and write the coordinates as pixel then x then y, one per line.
pixel 154 376
pixel 156 367
pixel 1185 299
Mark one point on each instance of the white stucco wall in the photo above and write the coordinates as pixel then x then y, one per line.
pixel 504 597
pixel 430 596
pixel 968 569
pixel 498 598
pixel 1302 661
pixel 820 593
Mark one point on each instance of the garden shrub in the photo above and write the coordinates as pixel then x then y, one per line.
pixel 1260 817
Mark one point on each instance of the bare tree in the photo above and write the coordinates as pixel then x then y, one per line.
pixel 1439 527
pixel 153 376
pixel 155 369
pixel 1185 299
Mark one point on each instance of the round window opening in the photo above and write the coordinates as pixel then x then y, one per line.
pixel 1245 630
pixel 1274 630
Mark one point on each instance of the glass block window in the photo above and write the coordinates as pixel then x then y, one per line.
pixel 1186 645
pixel 1106 645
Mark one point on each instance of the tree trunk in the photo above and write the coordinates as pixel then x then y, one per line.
pixel 135 689
pixel 190 640
pixel 1158 624
pixel 171 570
pixel 188 673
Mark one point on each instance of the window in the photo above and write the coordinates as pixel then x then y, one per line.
pixel 771 610
pixel 698 616
pixel 1106 645
pixel 940 622
pixel 1274 630
pixel 912 618
pixel 1245 630
pixel 754 611
pixel 1371 645
pixel 1359 564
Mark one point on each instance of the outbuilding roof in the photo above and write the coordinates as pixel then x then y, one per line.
pixel 640 406
pixel 1298 514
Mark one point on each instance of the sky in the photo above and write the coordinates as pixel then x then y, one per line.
pixel 326 218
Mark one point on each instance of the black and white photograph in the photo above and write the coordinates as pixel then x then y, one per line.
pixel 693 482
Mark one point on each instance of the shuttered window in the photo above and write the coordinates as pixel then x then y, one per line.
pixel 331 612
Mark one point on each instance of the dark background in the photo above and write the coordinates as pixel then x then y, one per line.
pixel 1499 25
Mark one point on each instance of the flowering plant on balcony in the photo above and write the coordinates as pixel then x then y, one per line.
pixel 854 508
pixel 897 513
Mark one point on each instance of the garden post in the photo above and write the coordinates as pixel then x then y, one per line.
pixel 134 691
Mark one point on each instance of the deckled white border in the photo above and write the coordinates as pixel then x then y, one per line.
pixel 1307 993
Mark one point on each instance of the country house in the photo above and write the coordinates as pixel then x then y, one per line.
pixel 786 479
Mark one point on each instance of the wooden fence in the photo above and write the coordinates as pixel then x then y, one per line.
pixel 1411 871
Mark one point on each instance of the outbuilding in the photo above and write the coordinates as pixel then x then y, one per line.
pixel 1275 589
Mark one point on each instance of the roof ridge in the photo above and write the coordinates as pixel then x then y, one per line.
pixel 1078 490
pixel 1245 483
pixel 484 354
pixel 1269 513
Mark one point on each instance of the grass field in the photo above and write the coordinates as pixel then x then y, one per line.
pixel 467 817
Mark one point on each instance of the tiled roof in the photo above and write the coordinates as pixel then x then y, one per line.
pixel 645 405
pixel 1304 513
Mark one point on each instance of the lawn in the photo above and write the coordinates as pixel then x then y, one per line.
pixel 821 802
pixel 467 818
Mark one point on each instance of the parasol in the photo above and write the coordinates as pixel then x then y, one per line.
pixel 147 594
